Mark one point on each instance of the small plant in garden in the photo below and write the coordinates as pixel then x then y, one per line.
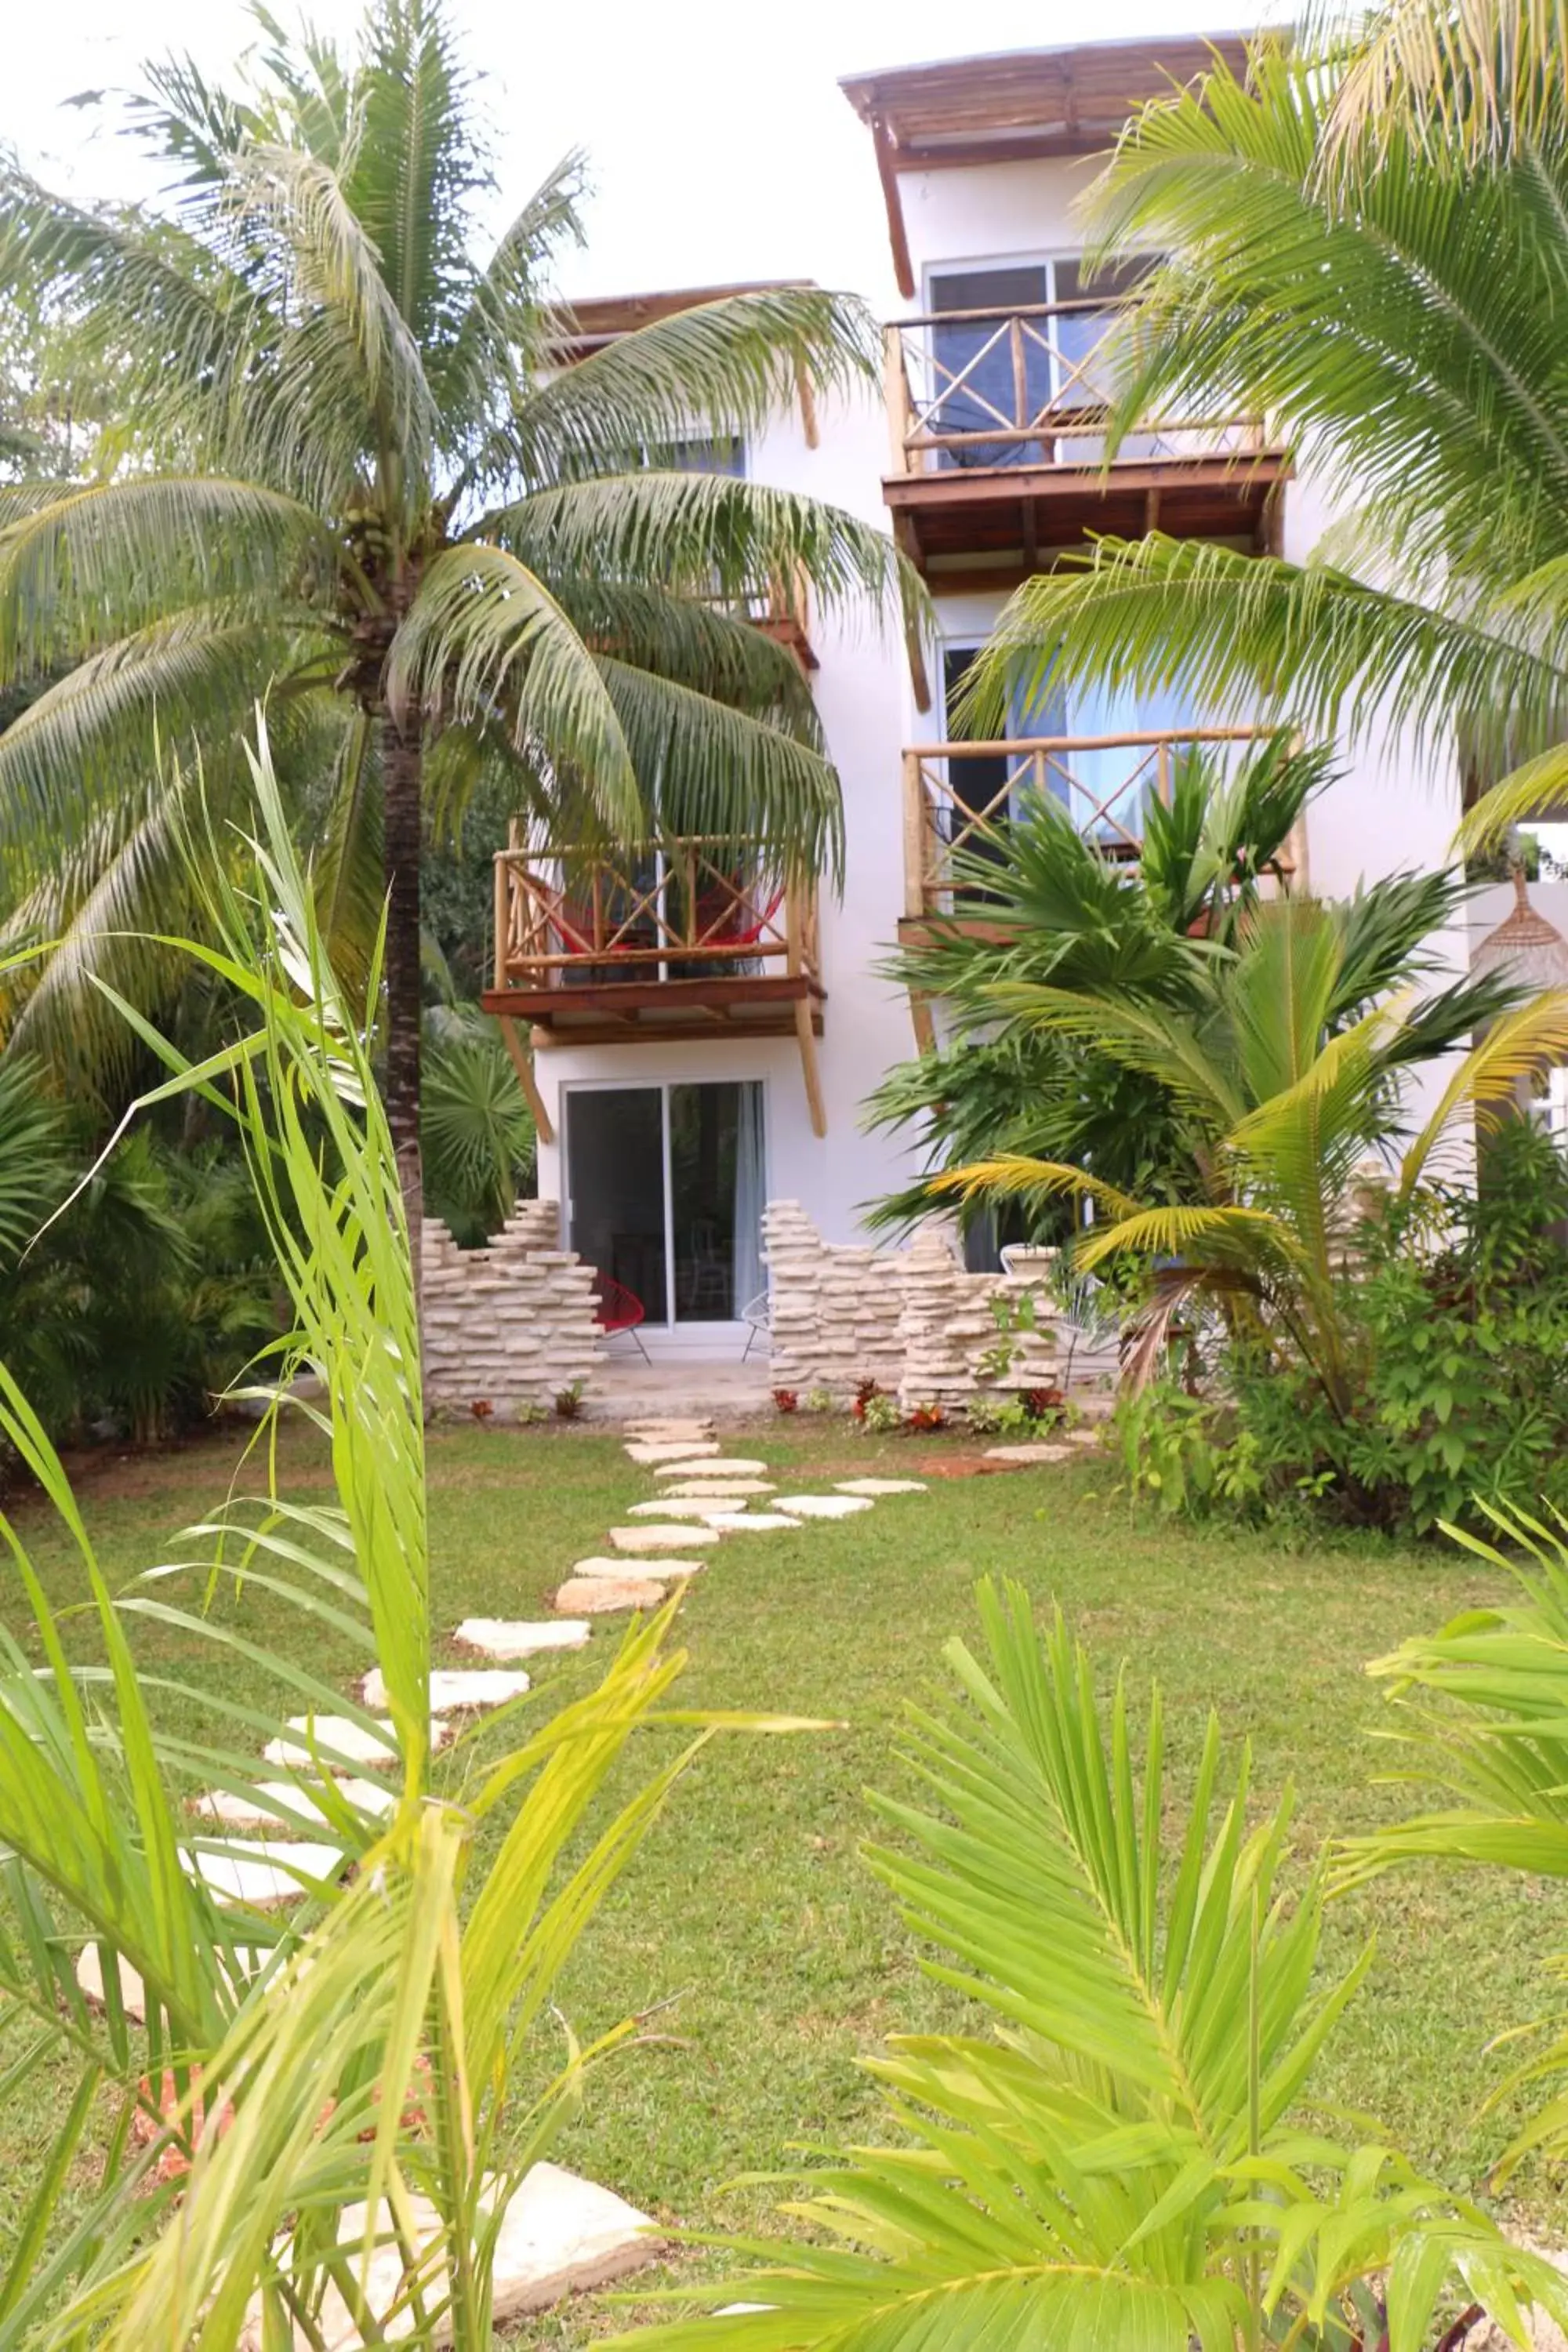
pixel 530 1414
pixel 1044 1405
pixel 819 1400
pixel 482 1410
pixel 921 1418
pixel 878 1414
pixel 866 1391
pixel 568 1400
pixel 786 1400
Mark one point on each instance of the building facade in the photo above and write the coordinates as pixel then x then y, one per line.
pixel 701 1040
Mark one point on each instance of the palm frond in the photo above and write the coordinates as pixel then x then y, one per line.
pixel 719 370
pixel 502 336
pixel 1517 1048
pixel 1470 84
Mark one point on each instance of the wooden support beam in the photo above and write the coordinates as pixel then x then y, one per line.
pixel 898 236
pixel 1150 511
pixel 924 1026
pixel 522 1063
pixel 907 543
pixel 806 1037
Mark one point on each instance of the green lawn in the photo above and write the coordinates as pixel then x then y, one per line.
pixel 749 1908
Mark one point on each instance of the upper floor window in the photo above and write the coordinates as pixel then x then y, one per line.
pixel 1015 348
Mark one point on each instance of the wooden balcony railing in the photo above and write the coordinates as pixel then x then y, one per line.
pixel 961 798
pixel 1031 387
pixel 691 909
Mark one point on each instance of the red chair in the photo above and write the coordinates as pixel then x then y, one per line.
pixel 616 1309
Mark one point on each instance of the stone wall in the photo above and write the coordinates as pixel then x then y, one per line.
pixel 913 1319
pixel 511 1323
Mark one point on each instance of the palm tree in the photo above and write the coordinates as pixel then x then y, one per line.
pixel 1367 241
pixel 1279 1047
pixel 358 473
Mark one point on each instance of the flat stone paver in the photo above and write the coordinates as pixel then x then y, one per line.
pixel 736 1467
pixel 652 1538
pixel 596 1565
pixel 673 1449
pixel 457 1690
pixel 267 1873
pixel 660 1433
pixel 263 1808
pixel 1031 1453
pixel 515 1637
pixel 751 1523
pixel 679 1506
pixel 250 1958
pixel 822 1506
pixel 560 2235
pixel 606 1596
pixel 710 1490
pixel 875 1487
pixel 342 1743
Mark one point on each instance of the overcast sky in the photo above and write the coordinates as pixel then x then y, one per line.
pixel 720 146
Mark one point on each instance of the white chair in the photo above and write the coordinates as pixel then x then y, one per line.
pixel 755 1315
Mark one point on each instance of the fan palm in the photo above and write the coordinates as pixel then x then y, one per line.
pixel 1367 242
pixel 362 469
pixel 1115 2152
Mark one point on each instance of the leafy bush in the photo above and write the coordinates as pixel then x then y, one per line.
pixel 1453 1309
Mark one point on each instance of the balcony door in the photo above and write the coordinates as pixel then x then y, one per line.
pixel 1002 357
pixel 664 1192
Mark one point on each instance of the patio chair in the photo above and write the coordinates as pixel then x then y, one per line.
pixel 756 1316
pixel 618 1310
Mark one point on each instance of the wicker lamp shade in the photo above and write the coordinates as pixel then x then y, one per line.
pixel 1525 948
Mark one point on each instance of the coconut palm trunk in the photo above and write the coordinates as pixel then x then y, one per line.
pixel 403 814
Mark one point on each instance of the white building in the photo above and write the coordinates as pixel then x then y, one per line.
pixel 682 1090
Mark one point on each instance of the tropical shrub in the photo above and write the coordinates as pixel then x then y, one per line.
pixel 1453 1305
pixel 476 1141
pixel 1120 2148
pixel 386 2041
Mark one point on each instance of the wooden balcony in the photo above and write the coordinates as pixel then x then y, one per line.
pixel 686 942
pixel 960 800
pixel 997 424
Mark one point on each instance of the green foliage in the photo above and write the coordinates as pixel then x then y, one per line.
pixel 476 1132
pixel 1453 1313
pixel 1058 913
pixel 1119 2147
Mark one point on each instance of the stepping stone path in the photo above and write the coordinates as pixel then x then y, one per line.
pixel 725 1489
pixel 560 2235
pixel 607 1596
pixel 654 1433
pixel 622 1568
pixel 731 1523
pixel 872 1487
pixel 735 1467
pixel 456 1690
pixel 673 1449
pixel 253 1877
pixel 263 1808
pixel 503 1637
pixel 822 1506
pixel 659 1538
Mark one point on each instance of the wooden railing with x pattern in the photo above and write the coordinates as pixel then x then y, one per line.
pixel 1028 387
pixel 690 908
pixel 959 799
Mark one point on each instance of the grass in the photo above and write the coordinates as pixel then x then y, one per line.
pixel 751 1912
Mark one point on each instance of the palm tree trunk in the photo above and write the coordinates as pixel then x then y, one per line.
pixel 403 840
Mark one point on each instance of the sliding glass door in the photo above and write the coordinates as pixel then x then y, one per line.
pixel 665 1194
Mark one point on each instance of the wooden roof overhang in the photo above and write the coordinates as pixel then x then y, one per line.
pixel 1015 106
pixel 578 328
pixel 1012 519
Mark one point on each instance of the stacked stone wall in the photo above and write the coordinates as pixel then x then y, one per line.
pixel 509 1324
pixel 914 1320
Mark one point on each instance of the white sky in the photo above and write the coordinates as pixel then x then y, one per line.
pixel 718 143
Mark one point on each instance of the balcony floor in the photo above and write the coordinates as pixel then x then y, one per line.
pixel 1014 515
pixel 588 1012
